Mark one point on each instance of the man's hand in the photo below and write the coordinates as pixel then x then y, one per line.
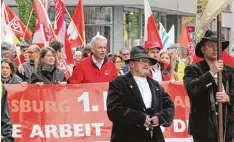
pixel 222 97
pixel 155 121
pixel 63 83
pixel 21 69
pixel 147 122
pixel 40 84
pixel 216 67
pixel 24 84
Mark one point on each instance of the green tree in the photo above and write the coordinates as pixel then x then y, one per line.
pixel 25 8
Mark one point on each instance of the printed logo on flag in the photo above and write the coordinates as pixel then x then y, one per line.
pixel 58 10
pixel 15 26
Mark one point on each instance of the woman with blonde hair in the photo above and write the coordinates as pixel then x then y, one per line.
pixel 170 71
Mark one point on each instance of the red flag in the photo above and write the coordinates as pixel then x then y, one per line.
pixel 60 29
pixel 185 39
pixel 76 29
pixel 227 59
pixel 16 25
pixel 151 30
pixel 44 22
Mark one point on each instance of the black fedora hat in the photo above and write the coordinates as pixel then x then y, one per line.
pixel 138 52
pixel 210 36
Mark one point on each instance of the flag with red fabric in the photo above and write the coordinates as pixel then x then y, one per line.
pixel 16 25
pixel 44 32
pixel 76 29
pixel 151 30
pixel 185 40
pixel 60 29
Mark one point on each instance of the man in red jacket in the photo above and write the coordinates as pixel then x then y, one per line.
pixel 95 68
pixel 159 71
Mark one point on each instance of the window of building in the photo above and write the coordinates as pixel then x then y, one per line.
pixel 98 19
pixel 132 27
pixel 226 32
pixel 163 19
pixel 156 17
pixel 228 9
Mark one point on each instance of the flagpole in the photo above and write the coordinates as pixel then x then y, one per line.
pixel 75 26
pixel 28 22
pixel 220 105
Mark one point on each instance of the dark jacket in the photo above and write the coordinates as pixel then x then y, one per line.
pixel 201 87
pixel 29 68
pixel 6 124
pixel 15 79
pixel 127 111
pixel 46 77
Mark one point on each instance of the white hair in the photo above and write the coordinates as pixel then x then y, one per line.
pixel 78 53
pixel 95 38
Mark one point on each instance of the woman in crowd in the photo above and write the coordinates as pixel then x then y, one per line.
pixel 47 70
pixel 8 71
pixel 86 51
pixel 170 71
pixel 118 61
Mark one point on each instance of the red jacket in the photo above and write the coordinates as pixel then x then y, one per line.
pixel 87 72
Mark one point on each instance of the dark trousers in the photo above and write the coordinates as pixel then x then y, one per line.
pixel 210 140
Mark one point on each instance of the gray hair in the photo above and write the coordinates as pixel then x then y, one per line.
pixel 95 38
pixel 36 47
pixel 6 47
pixel 124 48
pixel 78 53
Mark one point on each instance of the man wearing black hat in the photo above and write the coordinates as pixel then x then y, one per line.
pixel 136 104
pixel 200 81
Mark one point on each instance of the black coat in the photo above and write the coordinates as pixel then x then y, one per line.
pixel 6 124
pixel 200 84
pixel 53 77
pixel 127 111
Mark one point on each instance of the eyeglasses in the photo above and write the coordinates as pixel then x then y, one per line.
pixel 30 52
pixel 145 61
pixel 125 54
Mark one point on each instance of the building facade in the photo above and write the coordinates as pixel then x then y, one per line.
pixel 122 21
pixel 227 26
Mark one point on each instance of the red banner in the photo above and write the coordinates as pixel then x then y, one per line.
pixel 74 113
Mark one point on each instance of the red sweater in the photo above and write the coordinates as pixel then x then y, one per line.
pixel 87 72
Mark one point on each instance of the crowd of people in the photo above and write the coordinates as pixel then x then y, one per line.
pixel 91 64
pixel 136 103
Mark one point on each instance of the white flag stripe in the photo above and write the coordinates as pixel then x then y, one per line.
pixel 171 33
pixel 166 40
pixel 148 13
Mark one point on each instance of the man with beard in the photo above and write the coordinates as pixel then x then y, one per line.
pixel 136 104
pixel 200 81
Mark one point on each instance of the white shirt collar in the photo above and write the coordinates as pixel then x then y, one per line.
pixel 99 65
pixel 145 91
